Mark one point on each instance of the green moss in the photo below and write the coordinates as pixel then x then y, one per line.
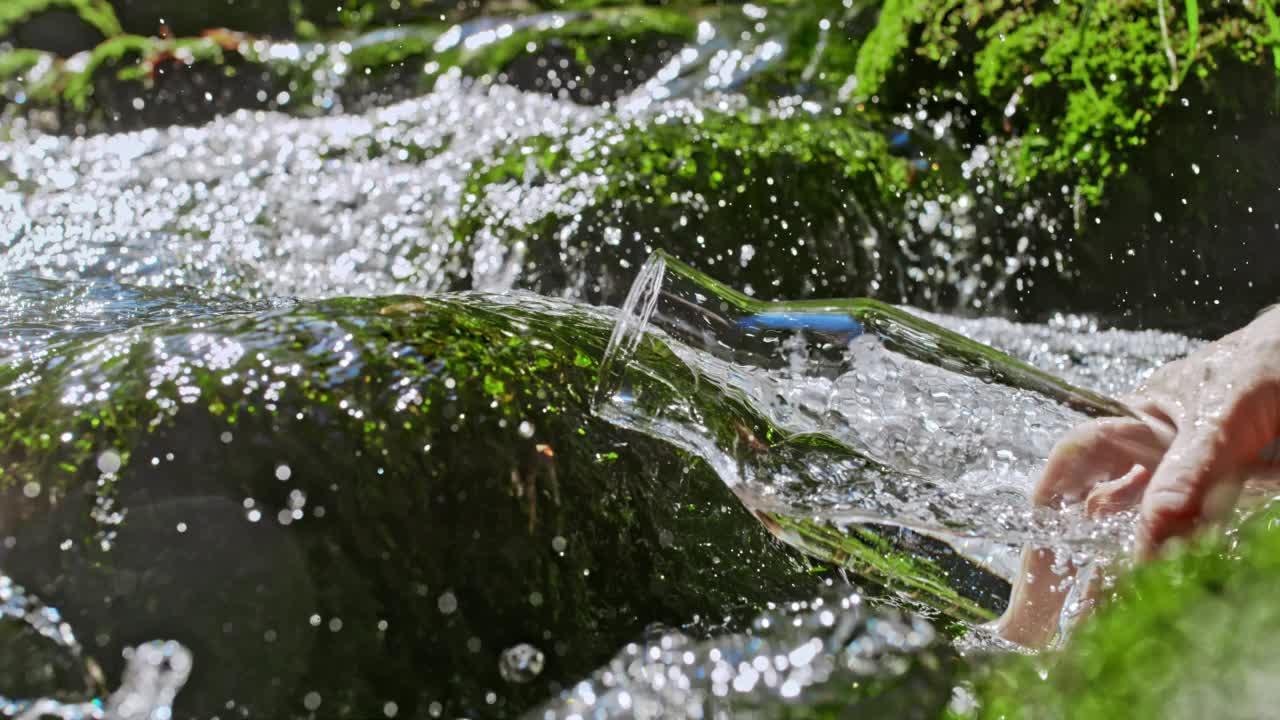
pixel 926 578
pixel 656 161
pixel 14 64
pixel 1272 38
pixel 124 50
pixel 887 43
pixel 1072 87
pixel 376 52
pixel 133 58
pixel 97 13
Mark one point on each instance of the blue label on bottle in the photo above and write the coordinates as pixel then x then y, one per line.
pixel 835 323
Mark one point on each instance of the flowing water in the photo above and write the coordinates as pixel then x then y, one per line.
pixel 212 250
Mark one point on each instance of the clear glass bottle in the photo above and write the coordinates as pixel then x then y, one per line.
pixel 856 431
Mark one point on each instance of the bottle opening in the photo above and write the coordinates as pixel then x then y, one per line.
pixel 633 319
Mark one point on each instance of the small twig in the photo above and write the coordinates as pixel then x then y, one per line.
pixel 1193 37
pixel 1168 49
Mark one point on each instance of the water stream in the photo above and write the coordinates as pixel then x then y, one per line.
pixel 267 259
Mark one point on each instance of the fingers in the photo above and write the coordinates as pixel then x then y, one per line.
pixel 1199 478
pixel 1095 453
pixel 1031 619
pixel 1035 611
pixel 1123 493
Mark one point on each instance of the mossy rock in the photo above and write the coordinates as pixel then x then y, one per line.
pixel 594 60
pixel 808 206
pixel 351 491
pixel 1185 240
pixel 133 81
pixel 130 82
pixel 1092 116
pixel 1074 87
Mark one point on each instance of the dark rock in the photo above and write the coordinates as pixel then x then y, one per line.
pixel 56 30
pixel 370 499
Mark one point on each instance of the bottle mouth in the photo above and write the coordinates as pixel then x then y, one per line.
pixel 629 330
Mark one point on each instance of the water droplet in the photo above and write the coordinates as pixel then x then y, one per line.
pixel 311 701
pixel 283 472
pixel 109 462
pixel 447 603
pixel 526 429
pixel 521 663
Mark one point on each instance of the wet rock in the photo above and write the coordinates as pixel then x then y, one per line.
pixel 60 31
pixel 600 57
pixel 1186 238
pixel 42 657
pixel 146 17
pixel 351 491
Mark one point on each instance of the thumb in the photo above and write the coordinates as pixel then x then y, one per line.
pixel 1200 474
pixel 1174 499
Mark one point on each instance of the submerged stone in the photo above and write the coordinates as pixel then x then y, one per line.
pixel 373 499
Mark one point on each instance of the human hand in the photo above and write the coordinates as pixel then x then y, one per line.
pixel 1204 422
pixel 1203 425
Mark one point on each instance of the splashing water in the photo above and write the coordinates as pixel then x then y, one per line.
pixel 796 655
pixel 877 445
pixel 154 673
